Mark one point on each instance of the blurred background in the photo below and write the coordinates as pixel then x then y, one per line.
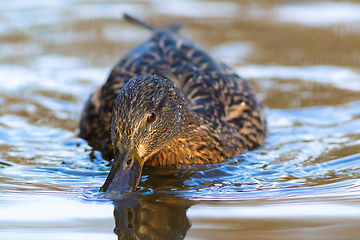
pixel 302 58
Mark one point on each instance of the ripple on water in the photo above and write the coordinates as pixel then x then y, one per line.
pixel 302 156
pixel 308 147
pixel 304 161
pixel 53 55
pixel 320 13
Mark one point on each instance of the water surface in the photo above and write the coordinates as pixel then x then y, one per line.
pixel 303 184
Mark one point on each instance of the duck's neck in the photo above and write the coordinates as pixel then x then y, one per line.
pixel 196 143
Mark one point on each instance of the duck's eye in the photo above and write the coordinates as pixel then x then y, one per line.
pixel 151 117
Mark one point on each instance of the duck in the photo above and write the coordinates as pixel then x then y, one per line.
pixel 168 104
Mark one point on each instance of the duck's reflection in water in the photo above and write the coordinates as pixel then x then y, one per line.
pixel 152 217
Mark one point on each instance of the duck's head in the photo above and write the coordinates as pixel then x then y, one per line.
pixel 147 115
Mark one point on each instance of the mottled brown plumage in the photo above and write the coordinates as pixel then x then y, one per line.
pixel 205 113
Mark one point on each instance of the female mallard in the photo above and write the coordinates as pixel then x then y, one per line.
pixel 168 103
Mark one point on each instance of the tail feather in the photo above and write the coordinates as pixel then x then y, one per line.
pixel 172 27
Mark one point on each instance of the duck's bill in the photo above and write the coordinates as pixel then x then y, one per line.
pixel 124 175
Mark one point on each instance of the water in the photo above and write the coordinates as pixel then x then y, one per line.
pixel 303 184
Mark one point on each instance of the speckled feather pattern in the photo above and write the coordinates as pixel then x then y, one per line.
pixel 230 119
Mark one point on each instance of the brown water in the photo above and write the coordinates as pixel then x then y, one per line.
pixel 303 59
